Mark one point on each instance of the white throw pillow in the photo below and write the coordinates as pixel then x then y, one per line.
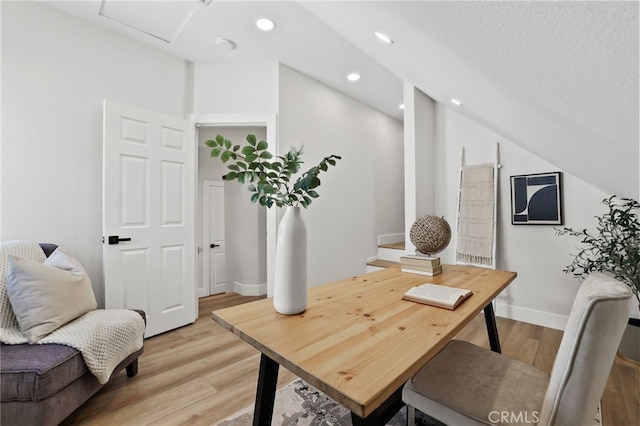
pixel 46 296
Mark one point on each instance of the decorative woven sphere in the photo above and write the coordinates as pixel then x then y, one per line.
pixel 430 234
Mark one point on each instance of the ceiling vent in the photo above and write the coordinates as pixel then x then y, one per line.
pixel 160 19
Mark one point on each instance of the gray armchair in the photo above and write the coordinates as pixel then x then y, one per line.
pixel 468 385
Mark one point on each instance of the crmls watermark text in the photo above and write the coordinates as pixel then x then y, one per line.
pixel 497 417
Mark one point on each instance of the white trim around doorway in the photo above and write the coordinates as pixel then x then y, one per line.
pixel 269 120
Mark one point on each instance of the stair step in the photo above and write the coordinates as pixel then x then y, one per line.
pixel 395 246
pixel 391 252
pixel 383 263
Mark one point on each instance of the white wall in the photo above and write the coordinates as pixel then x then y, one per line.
pixel 56 70
pixel 419 159
pixel 235 88
pixel 245 222
pixel 362 196
pixel 542 293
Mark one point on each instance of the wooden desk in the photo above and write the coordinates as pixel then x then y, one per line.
pixel 358 341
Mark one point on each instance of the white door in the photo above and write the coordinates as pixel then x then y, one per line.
pixel 148 215
pixel 213 276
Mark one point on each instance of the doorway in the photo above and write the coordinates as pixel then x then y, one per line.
pixel 238 263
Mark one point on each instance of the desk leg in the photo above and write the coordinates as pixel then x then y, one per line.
pixel 492 328
pixel 266 392
pixel 369 421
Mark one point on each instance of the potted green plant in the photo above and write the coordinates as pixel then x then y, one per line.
pixel 613 249
pixel 269 180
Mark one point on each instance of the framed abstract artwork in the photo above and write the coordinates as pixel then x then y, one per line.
pixel 536 199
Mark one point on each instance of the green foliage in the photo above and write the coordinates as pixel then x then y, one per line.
pixel 615 249
pixel 269 177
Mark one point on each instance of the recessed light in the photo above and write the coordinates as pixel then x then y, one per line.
pixel 383 37
pixel 265 24
pixel 354 76
pixel 456 102
pixel 401 106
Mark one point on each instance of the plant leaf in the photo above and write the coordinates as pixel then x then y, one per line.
pixel 246 150
pixel 314 182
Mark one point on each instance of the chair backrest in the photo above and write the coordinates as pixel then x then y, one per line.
pixel 588 348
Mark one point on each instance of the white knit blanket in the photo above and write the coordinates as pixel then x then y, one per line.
pixel 475 236
pixel 104 337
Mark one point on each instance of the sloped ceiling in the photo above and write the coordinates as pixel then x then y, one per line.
pixel 558 78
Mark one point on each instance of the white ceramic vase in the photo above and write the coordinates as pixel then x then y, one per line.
pixel 290 286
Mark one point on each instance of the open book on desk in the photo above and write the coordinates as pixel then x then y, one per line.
pixel 437 295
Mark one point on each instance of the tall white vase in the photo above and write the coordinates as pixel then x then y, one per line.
pixel 290 286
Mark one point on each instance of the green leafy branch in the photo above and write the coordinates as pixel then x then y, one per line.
pixel 270 177
pixel 615 248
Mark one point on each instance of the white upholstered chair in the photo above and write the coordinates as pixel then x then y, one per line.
pixel 468 385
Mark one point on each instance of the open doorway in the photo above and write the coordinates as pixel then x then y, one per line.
pixel 231 232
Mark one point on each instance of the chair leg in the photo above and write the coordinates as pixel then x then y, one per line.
pixel 132 369
pixel 411 415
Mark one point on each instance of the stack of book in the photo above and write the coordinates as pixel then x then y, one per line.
pixel 422 265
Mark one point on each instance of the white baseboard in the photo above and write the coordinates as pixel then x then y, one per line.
pixel 372 259
pixel 531 316
pixel 250 289
pixel 390 238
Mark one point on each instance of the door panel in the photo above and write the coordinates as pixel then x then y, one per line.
pixel 134 198
pixel 218 278
pixel 172 194
pixel 149 182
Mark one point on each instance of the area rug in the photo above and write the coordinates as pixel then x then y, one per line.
pixel 301 404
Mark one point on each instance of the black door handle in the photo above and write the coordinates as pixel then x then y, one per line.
pixel 214 245
pixel 115 239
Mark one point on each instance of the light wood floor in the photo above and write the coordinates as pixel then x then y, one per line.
pixel 200 374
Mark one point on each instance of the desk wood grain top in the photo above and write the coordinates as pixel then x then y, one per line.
pixel 358 341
